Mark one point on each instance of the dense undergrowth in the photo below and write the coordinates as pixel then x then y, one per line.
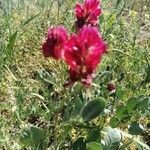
pixel 37 112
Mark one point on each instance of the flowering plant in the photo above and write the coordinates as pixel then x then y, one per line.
pixel 82 51
pixel 83 57
pixel 87 13
pixel 82 118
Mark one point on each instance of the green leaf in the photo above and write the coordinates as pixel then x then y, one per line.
pixel 135 129
pixel 94 146
pixel 13 37
pixel 93 109
pixel 38 135
pixel 119 92
pixel 78 106
pixel 33 137
pixel 113 139
pixel 126 135
pixel 131 104
pixel 79 144
pixel 94 135
pixel 28 20
pixel 26 138
pixel 144 103
pixel 11 42
pixel 67 111
pixel 114 121
pixel 147 78
pixel 121 111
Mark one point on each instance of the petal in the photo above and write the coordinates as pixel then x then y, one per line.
pixel 79 10
pixel 91 4
pixel 54 43
pixel 95 55
pixel 72 52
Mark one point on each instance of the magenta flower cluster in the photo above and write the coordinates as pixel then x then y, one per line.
pixel 83 50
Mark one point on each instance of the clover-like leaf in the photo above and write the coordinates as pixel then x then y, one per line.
pixel 135 128
pixel 131 104
pixel 93 109
pixel 94 146
pixel 112 139
pixel 33 137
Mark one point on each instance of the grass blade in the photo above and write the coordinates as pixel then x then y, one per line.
pixel 12 39
pixel 28 20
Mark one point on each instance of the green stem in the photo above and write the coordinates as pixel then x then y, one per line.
pixel 56 130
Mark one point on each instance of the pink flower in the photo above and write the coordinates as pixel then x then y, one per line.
pixel 54 43
pixel 87 14
pixel 83 52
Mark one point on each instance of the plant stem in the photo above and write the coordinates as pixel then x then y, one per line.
pixel 55 131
